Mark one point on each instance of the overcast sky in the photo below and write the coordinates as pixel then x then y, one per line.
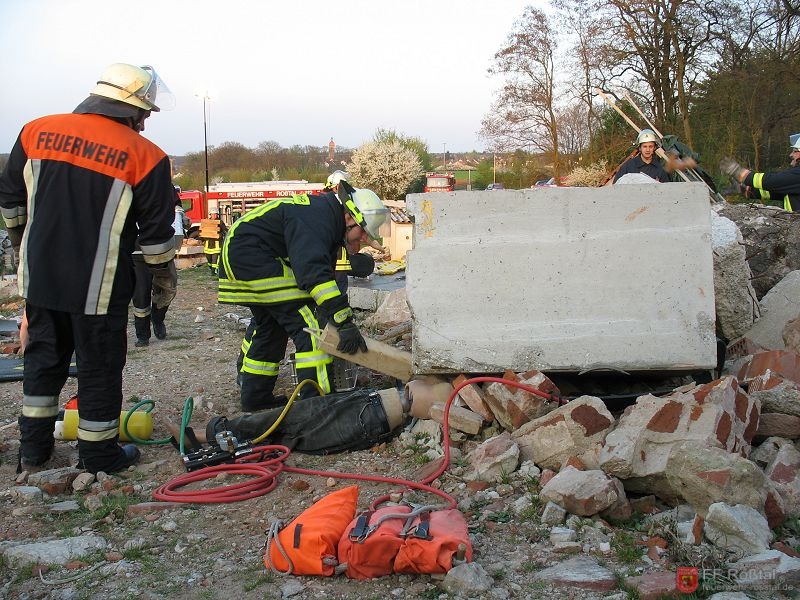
pixel 292 71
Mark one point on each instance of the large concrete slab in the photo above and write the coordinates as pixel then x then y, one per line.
pixel 562 279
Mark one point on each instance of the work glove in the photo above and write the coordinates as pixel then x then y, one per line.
pixel 350 338
pixel 731 167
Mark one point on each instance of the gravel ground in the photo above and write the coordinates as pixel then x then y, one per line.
pixel 215 551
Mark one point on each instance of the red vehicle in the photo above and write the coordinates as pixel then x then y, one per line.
pixel 229 201
pixel 440 182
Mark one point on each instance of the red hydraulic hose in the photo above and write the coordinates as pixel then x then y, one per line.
pixel 266 462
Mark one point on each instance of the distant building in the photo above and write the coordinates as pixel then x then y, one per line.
pixel 331 150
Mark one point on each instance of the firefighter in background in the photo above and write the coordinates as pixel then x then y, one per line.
pixel 646 161
pixel 350 261
pixel 149 303
pixel 75 189
pixel 780 188
pixel 278 260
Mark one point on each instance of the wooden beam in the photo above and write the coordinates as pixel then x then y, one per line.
pixel 379 356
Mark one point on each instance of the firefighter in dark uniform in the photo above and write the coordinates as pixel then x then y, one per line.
pixel 76 190
pixel 278 260
pixel 780 188
pixel 646 161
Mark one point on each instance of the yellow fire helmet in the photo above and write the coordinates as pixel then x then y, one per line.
pixel 365 206
pixel 137 86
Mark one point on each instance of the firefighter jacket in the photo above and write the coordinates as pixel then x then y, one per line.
pixel 73 191
pixel 637 165
pixel 283 251
pixel 781 188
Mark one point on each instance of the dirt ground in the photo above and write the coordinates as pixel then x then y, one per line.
pixel 215 551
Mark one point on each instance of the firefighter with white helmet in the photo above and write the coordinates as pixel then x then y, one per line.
pixel 350 261
pixel 645 161
pixel 81 187
pixel 778 188
pixel 278 260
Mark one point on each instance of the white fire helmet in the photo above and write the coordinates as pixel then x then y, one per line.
pixel 137 86
pixel 335 177
pixel 794 141
pixel 647 135
pixel 367 210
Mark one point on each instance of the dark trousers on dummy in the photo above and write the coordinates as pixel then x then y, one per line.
pixel 264 347
pixel 99 343
pixel 353 420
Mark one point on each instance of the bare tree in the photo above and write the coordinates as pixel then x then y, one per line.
pixel 658 48
pixel 525 113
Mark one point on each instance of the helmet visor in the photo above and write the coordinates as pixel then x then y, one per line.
pixel 156 94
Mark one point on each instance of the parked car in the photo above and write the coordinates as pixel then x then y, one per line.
pixel 495 186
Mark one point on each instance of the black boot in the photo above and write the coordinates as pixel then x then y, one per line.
pixel 157 316
pixel 142 325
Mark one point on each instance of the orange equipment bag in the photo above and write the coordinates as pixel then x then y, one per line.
pixel 434 539
pixel 307 545
pixel 371 542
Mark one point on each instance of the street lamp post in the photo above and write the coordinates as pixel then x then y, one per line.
pixel 205 137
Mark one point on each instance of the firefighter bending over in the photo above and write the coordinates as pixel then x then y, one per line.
pixel 780 188
pixel 75 191
pixel 278 260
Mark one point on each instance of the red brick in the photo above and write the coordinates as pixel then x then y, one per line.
pixel 742 402
pixel 724 429
pixel 752 424
pixel 780 362
pixel 782 473
pixel 719 477
pixel 773 510
pixel 666 420
pixel 587 417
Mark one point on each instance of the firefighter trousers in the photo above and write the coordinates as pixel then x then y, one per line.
pixel 144 298
pixel 264 347
pixel 99 343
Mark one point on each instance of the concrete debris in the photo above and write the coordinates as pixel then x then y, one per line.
pixel 772 568
pixel 703 475
pixel 739 529
pixel 467 579
pixel 784 474
pixel 734 297
pixel 583 493
pixel 779 306
pixel 770 237
pixel 51 552
pixel 494 459
pixel 572 430
pixel 637 450
pixel 580 572
pixel 513 406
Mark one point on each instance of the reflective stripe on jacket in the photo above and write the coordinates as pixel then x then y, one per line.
pixel 284 250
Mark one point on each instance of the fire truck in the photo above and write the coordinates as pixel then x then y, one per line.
pixel 440 182
pixel 229 201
